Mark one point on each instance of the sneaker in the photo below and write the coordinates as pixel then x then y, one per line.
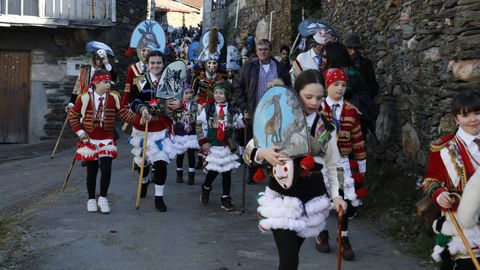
pixel 321 242
pixel 160 204
pixel 227 204
pixel 347 251
pixel 354 214
pixel 204 198
pixel 103 205
pixel 92 206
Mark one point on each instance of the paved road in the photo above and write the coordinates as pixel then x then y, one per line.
pixel 56 232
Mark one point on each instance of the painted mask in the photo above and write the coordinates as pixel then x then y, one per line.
pixel 212 66
pixel 284 173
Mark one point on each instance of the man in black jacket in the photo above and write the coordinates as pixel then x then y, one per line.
pixel 364 65
pixel 252 81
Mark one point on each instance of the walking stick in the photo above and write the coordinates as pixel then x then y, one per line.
pixel 339 238
pixel 68 174
pixel 244 176
pixel 140 176
pixel 464 239
pixel 59 137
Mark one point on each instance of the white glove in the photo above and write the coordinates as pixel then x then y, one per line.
pixel 68 107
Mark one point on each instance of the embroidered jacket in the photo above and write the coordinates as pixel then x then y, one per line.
pixel 208 120
pixel 449 167
pixel 185 121
pixel 350 139
pixel 134 70
pixel 142 94
pixel 203 87
pixel 83 115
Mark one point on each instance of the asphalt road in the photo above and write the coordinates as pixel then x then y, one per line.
pixel 54 230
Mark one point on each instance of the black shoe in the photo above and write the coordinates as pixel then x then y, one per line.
pixel 321 242
pixel 347 251
pixel 191 178
pixel 227 204
pixel 159 204
pixel 179 176
pixel 204 198
pixel 143 191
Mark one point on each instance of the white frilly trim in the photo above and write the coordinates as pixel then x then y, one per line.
pixel 349 191
pixel 103 148
pixel 284 212
pixel 455 245
pixel 183 143
pixel 221 159
pixel 153 154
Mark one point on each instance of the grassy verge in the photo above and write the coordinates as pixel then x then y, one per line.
pixel 390 205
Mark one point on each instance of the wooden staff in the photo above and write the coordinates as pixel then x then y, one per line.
pixel 339 238
pixel 68 173
pixel 140 176
pixel 93 9
pixel 244 174
pixel 464 239
pixel 59 137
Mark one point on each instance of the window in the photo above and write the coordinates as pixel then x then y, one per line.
pixel 13 7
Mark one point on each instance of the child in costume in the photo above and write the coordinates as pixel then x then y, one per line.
pixel 299 212
pixel 451 170
pixel 93 119
pixel 221 120
pixel 353 158
pixel 159 150
pixel 185 138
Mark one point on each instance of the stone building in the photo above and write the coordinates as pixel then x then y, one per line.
pixel 41 50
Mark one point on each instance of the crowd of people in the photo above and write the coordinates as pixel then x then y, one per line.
pixel 336 87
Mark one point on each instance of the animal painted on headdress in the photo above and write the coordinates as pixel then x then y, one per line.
pixel 273 127
pixel 148 36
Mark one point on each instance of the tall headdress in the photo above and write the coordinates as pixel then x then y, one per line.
pixel 149 34
pixel 213 43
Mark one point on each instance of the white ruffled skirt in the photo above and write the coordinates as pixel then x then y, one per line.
pixel 221 159
pixel 277 211
pixel 95 149
pixel 455 245
pixel 159 146
pixel 183 143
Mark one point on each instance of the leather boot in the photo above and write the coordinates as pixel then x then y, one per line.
pixel 143 191
pixel 191 178
pixel 321 242
pixel 160 204
pixel 347 251
pixel 179 176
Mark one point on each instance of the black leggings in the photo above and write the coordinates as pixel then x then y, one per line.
pixel 159 171
pixel 105 172
pixel 191 159
pixel 288 246
pixel 226 181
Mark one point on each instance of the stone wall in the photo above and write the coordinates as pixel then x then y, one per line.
pixel 424 53
pixel 254 17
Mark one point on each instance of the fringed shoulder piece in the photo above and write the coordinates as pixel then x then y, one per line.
pixel 440 143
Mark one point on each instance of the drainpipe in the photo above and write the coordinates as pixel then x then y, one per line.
pixel 270 29
pixel 236 13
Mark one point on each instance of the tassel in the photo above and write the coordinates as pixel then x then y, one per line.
pixel 358 178
pixel 307 162
pixel 259 176
pixel 362 193
pixel 129 52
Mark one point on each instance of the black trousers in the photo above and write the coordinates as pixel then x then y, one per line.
pixel 288 246
pixel 226 181
pixel 464 264
pixel 191 159
pixel 105 164
pixel 350 211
